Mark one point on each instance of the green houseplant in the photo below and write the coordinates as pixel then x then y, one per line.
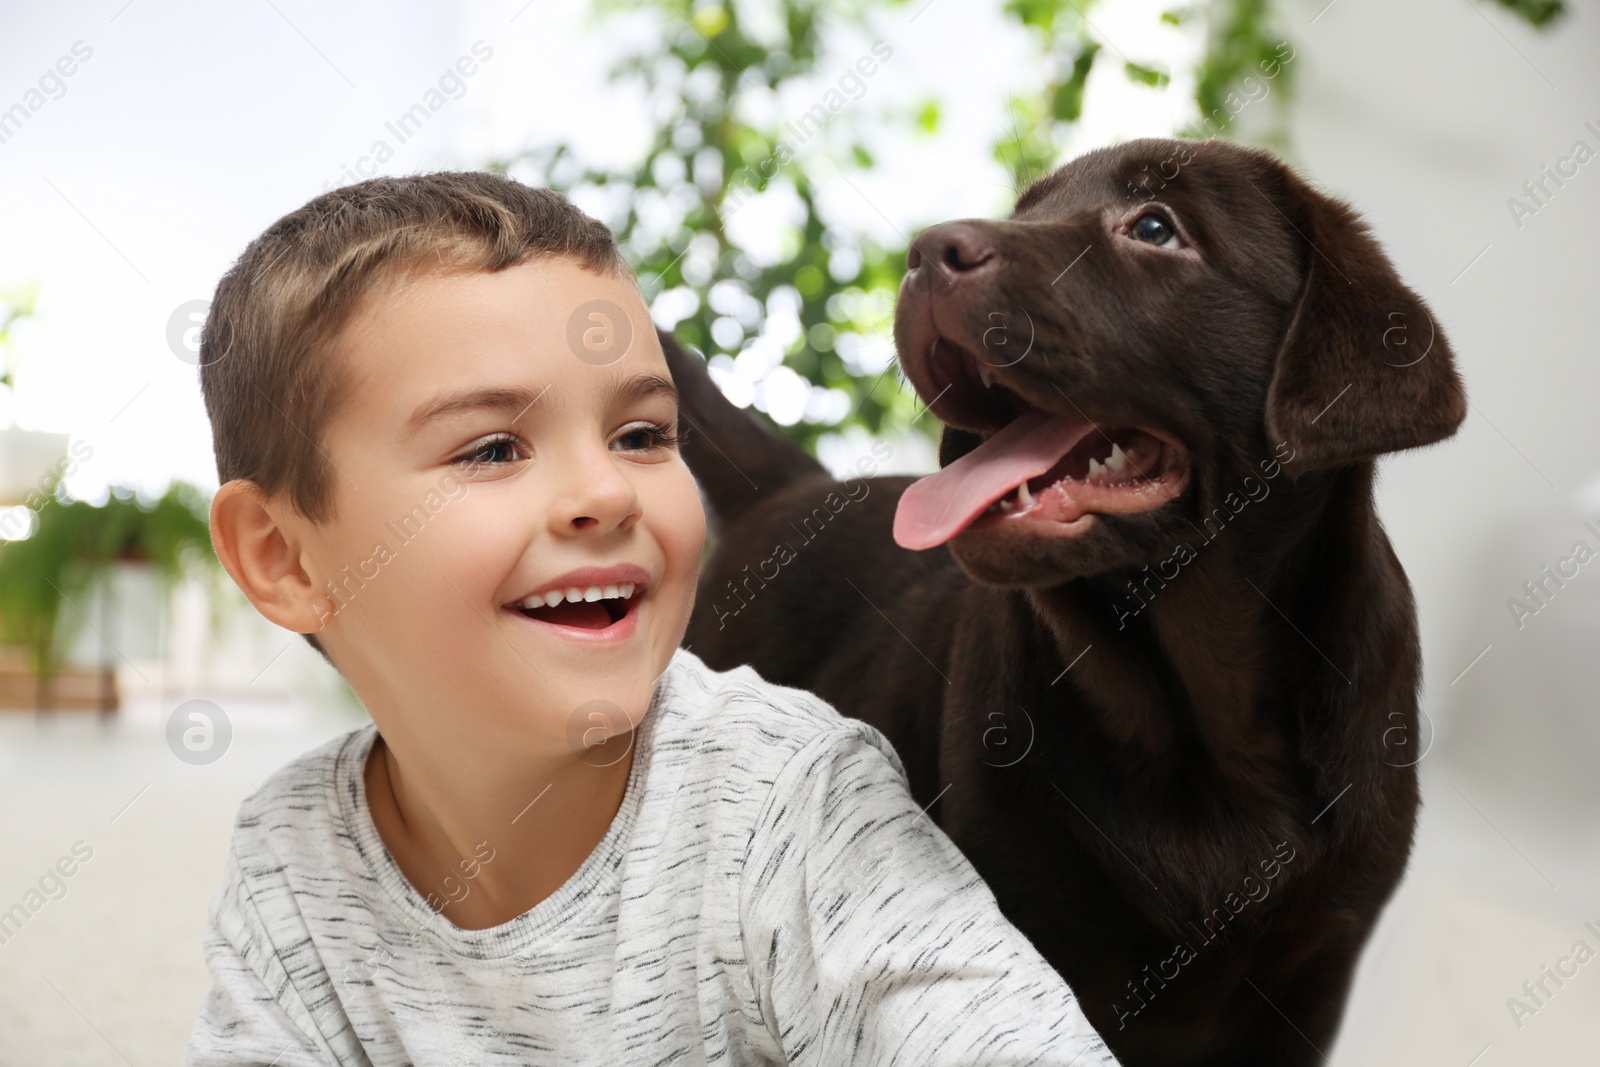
pixel 46 577
pixel 829 291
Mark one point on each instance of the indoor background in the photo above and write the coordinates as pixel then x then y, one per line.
pixel 128 185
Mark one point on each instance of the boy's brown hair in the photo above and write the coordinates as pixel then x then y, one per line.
pixel 266 372
pixel 266 368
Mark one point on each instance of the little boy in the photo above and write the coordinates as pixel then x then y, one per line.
pixel 447 441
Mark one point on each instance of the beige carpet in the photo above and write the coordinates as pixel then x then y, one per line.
pixel 111 973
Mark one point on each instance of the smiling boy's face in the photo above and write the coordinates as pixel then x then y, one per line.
pixel 503 443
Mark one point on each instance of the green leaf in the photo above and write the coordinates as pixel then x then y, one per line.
pixel 1539 13
pixel 1067 102
pixel 1040 14
pixel 928 117
pixel 1151 76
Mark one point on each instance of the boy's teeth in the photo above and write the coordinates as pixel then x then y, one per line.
pixel 622 591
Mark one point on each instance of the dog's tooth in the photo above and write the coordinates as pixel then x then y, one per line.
pixel 1096 470
pixel 1119 458
pixel 1005 503
pixel 1024 497
pixel 554 597
pixel 986 375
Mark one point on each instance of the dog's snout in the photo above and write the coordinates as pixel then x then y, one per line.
pixel 955 248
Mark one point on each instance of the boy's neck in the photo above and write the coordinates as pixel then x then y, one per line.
pixel 462 846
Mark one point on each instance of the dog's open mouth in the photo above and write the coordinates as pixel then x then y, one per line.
pixel 1048 471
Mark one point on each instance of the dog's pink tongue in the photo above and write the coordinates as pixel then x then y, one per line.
pixel 934 509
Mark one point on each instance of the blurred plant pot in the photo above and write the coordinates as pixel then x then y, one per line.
pixel 73 565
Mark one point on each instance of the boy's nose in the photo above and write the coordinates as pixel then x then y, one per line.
pixel 594 497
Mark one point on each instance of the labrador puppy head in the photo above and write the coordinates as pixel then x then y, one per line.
pixel 1156 326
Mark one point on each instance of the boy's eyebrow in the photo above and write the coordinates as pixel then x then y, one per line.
pixel 519 399
pixel 643 386
pixel 507 398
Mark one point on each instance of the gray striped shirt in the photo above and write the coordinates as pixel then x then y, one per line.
pixel 767 893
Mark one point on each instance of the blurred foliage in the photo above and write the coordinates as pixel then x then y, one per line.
pixel 15 306
pixel 1241 44
pixel 826 306
pixel 820 314
pixel 823 311
pixel 72 548
pixel 1538 12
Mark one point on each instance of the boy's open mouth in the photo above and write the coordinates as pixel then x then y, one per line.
pixel 594 607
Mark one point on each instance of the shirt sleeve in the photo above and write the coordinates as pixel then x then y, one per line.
pixel 871 939
pixel 252 1015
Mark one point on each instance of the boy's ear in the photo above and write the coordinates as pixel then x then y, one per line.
pixel 1363 368
pixel 263 558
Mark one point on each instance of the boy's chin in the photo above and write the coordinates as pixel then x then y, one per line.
pixel 602 711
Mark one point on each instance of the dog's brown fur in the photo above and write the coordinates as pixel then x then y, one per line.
pixel 1187 796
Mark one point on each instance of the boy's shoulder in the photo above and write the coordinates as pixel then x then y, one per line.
pixel 307 779
pixel 753 714
pixel 298 805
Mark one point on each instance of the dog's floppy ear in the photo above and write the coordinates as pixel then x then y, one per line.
pixel 1364 367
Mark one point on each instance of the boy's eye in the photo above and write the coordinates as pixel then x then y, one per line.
pixel 501 448
pixel 643 437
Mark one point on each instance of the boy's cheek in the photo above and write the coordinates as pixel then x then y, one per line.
pixel 683 516
pixel 678 525
pixel 697 528
pixel 453 486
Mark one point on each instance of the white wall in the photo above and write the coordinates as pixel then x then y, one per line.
pixel 1429 116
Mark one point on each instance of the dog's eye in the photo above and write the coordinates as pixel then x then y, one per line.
pixel 1154 229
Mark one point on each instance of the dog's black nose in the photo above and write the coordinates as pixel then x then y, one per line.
pixel 954 247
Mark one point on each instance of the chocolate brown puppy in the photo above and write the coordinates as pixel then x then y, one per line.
pixel 1142 643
